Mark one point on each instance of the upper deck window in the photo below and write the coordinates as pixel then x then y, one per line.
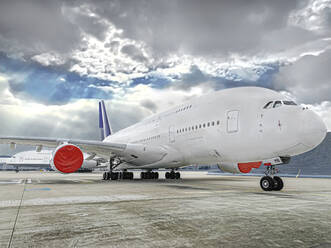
pixel 289 103
pixel 268 105
pixel 277 104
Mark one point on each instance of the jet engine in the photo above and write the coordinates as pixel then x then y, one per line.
pixel 67 158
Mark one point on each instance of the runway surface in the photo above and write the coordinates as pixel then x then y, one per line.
pixel 46 209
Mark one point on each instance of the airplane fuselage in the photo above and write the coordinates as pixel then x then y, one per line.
pixel 231 125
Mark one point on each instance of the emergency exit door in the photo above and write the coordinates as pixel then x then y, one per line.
pixel 233 121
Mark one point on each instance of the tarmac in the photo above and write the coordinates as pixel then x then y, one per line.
pixel 48 209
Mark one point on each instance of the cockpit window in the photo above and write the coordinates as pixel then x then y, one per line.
pixel 289 103
pixel 268 105
pixel 277 104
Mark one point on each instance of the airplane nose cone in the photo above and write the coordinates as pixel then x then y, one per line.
pixel 313 129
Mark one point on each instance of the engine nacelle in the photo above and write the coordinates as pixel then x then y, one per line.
pixel 229 167
pixel 67 158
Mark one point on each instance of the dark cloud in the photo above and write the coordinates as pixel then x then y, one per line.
pixel 89 24
pixel 34 26
pixel 201 27
pixel 134 52
pixel 309 78
pixel 149 105
pixel 196 77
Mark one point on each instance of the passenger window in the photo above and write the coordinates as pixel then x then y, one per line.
pixel 208 124
pixel 204 125
pixel 196 127
pixel 277 104
pixel 212 123
pixel 199 125
pixel 218 122
pixel 268 105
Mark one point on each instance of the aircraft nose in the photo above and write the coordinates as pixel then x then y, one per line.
pixel 313 129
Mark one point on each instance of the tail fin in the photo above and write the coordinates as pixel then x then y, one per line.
pixel 104 126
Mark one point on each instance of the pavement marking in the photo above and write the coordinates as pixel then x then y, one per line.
pixel 18 211
pixel 11 182
pixel 35 189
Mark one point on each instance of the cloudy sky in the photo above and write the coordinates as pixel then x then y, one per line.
pixel 58 58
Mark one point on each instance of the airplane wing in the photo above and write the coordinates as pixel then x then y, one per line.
pixel 97 147
pixel 137 154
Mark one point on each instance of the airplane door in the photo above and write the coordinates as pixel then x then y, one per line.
pixel 233 121
pixel 171 134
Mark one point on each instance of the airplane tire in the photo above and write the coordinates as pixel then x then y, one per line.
pixel 267 183
pixel 177 175
pixel 108 175
pixel 172 175
pixel 156 175
pixel 128 175
pixel 278 183
pixel 114 175
pixel 104 177
pixel 167 175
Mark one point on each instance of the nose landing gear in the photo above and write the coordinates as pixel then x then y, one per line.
pixel 271 182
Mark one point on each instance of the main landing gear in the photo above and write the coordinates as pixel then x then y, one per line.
pixel 125 175
pixel 172 175
pixel 149 175
pixel 271 182
pixel 111 175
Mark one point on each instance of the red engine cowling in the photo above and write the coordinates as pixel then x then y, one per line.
pixel 67 158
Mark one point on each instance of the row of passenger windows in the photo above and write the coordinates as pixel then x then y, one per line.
pixel 276 104
pixel 184 108
pixel 148 139
pixel 196 127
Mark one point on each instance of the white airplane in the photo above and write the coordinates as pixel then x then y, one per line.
pixel 239 129
pixel 43 159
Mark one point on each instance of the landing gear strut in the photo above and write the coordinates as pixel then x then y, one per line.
pixel 116 175
pixel 270 182
pixel 172 175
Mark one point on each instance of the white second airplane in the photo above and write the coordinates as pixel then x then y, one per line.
pixel 43 160
pixel 239 129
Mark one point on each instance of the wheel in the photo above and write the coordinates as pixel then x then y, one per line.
pixel 108 175
pixel 126 175
pixel 114 175
pixel 142 175
pixel 167 175
pixel 278 183
pixel 131 175
pixel 104 177
pixel 172 175
pixel 267 183
pixel 156 175
pixel 177 175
